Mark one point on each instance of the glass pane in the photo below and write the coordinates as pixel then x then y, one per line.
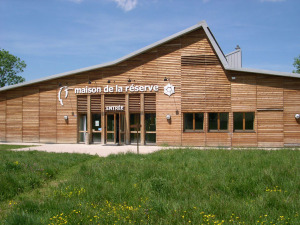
pixel 110 137
pixel 134 119
pixel 110 122
pixel 122 138
pixel 81 137
pixel 249 120
pixel 238 121
pixel 224 121
pixel 133 137
pixel 96 137
pixel 96 121
pixel 150 121
pixel 213 121
pixel 188 121
pixel 199 121
pixel 150 138
pixel 82 122
pixel 122 122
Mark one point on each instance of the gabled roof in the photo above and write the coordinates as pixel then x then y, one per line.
pixel 201 24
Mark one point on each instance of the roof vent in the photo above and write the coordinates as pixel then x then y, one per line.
pixel 234 58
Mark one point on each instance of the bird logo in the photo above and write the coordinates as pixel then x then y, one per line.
pixel 65 89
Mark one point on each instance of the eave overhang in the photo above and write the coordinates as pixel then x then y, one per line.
pixel 199 25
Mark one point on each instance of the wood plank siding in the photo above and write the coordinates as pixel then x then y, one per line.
pixel 189 62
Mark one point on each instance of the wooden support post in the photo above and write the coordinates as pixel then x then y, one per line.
pixel 103 122
pixel 127 120
pixel 89 119
pixel 142 128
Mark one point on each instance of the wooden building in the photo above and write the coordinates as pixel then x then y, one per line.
pixel 181 90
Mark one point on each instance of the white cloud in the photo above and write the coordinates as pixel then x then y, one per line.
pixel 126 5
pixel 76 1
pixel 272 0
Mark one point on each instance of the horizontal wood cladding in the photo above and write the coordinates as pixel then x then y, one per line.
pixel 205 89
pixel 193 139
pixel 243 92
pixel 134 103
pixel 270 129
pixel 114 100
pixel 291 107
pixel 198 60
pixel 48 111
pixel 66 129
pixel 269 92
pixel 14 115
pixel 244 139
pixel 189 63
pixel 31 113
pixel 150 103
pixel 2 117
pixel 81 103
pixel 169 67
pixel 95 103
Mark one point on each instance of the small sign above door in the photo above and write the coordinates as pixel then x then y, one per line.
pixel 114 108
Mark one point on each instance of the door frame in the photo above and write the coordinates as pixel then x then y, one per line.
pixel 115 130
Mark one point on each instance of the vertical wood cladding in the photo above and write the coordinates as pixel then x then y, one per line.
pixel 31 115
pixel 2 117
pixel 48 111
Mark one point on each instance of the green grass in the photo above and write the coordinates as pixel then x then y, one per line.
pixel 169 187
pixel 10 147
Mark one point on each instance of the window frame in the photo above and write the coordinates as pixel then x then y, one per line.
pixel 194 123
pixel 218 123
pixel 150 132
pixel 244 123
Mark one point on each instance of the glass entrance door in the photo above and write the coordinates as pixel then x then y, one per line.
pixel 115 128
pixel 82 127
pixel 96 128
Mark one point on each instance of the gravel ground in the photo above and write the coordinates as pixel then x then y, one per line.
pixel 105 150
pixel 93 149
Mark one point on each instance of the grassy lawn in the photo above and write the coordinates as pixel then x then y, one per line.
pixel 9 147
pixel 169 187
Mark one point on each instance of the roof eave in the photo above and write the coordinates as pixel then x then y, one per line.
pixel 265 72
pixel 99 66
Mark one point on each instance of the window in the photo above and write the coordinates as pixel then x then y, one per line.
pixel 150 128
pixel 193 122
pixel 218 121
pixel 243 121
pixel 135 120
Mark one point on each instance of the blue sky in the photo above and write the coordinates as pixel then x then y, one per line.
pixel 56 36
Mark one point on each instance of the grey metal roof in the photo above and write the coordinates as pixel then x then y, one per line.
pixel 234 58
pixel 202 24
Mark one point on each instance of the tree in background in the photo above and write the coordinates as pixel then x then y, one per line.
pixel 297 64
pixel 10 66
